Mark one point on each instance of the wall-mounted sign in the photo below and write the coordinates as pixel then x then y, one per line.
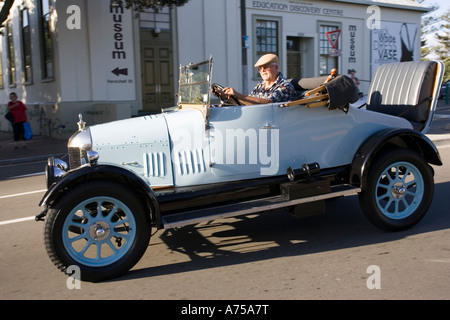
pixel 352 29
pixel 112 52
pixel 333 37
pixel 393 42
pixel 300 7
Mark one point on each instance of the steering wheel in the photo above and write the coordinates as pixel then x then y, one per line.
pixel 215 87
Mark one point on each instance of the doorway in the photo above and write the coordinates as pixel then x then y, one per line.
pixel 300 57
pixel 294 58
pixel 157 71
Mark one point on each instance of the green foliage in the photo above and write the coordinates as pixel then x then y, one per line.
pixel 439 28
pixel 447 69
pixel 140 5
pixel 444 39
pixel 4 13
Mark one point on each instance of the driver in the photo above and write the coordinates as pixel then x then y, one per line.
pixel 273 88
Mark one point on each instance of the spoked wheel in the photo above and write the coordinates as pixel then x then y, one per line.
pixel 100 227
pixel 399 190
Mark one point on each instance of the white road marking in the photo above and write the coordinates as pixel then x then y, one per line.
pixel 16 220
pixel 440 260
pixel 18 195
pixel 22 194
pixel 31 175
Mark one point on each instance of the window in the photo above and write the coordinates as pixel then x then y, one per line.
pixel 11 57
pixel 267 35
pixel 327 62
pixel 46 40
pixel 151 19
pixel 26 47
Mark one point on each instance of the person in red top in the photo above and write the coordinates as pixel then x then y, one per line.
pixel 18 110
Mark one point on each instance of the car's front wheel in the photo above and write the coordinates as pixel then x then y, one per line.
pixel 399 190
pixel 99 226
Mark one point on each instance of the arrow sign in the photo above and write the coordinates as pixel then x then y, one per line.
pixel 118 71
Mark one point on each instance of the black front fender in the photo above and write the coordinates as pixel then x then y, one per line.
pixel 102 172
pixel 388 138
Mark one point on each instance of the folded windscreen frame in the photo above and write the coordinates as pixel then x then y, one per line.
pixel 195 83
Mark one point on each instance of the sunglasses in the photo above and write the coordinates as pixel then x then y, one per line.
pixel 267 66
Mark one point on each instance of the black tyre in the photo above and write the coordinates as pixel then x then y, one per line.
pixel 399 190
pixel 100 226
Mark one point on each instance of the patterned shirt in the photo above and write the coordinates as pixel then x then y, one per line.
pixel 281 91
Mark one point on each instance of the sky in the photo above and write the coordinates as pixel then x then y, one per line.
pixel 443 5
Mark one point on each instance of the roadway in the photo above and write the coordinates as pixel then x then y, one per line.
pixel 268 256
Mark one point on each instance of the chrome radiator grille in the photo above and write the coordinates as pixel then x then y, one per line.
pixel 74 158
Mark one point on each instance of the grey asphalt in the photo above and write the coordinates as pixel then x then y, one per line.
pixel 39 148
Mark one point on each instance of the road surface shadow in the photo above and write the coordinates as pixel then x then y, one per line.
pixel 342 226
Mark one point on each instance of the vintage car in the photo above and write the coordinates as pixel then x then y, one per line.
pixel 200 161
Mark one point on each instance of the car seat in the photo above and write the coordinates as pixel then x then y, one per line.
pixel 404 89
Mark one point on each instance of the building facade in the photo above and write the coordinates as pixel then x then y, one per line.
pixel 65 57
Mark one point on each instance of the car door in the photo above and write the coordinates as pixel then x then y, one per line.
pixel 319 135
pixel 243 141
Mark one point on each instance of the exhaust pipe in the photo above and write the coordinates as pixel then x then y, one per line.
pixel 304 172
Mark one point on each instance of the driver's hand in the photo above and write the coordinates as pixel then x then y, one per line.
pixel 231 92
pixel 218 92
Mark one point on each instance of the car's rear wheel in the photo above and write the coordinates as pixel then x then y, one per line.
pixel 100 226
pixel 399 190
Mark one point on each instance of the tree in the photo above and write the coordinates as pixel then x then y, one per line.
pixel 4 13
pixel 443 51
pixel 435 42
pixel 137 5
pixel 140 5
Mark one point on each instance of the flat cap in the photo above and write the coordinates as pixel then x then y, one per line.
pixel 266 59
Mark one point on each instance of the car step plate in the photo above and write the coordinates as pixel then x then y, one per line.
pixel 248 207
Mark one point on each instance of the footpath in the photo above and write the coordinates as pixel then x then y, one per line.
pixel 39 148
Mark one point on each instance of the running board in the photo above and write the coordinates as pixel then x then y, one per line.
pixel 248 207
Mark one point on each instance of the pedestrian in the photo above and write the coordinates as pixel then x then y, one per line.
pixel 352 72
pixel 18 110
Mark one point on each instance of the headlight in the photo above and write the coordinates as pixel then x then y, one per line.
pixel 92 157
pixel 55 169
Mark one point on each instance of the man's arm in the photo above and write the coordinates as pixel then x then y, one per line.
pixel 244 99
pixel 248 100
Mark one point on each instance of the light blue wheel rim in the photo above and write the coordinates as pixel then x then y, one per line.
pixel 98 240
pixel 399 190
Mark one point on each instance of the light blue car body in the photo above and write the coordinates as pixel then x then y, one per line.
pixel 197 142
pixel 183 147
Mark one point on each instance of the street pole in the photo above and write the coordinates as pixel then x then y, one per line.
pixel 244 47
pixel 447 86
